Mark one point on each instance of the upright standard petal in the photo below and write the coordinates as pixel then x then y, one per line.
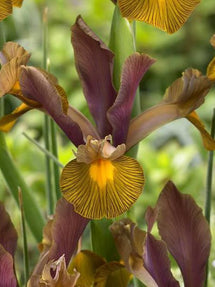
pixel 94 63
pixel 60 239
pixel 168 15
pixel 186 232
pixel 101 182
pixel 184 96
pixel 119 114
pixel 35 85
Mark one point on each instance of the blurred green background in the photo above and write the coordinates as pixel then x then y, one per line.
pixel 173 152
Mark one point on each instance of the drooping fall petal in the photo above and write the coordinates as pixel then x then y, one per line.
pixel 119 114
pixel 17 3
pixel 103 188
pixel 8 121
pixel 61 277
pixel 156 261
pixel 208 141
pixel 61 238
pixel 94 63
pixel 186 232
pixel 35 85
pixel 168 15
pixel 184 96
pixel 130 241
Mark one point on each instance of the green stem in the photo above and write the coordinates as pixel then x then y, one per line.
pixel 14 181
pixel 45 151
pixel 209 186
pixel 46 128
pixel 25 244
pixel 55 165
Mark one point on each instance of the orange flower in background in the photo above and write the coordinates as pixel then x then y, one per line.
pixel 6 7
pixel 168 15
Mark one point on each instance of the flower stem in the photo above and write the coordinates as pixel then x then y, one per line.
pixel 209 185
pixel 46 126
pixel 25 244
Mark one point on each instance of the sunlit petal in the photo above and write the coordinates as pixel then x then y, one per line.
pixel 167 15
pixel 208 141
pixel 119 114
pixel 17 3
pixel 211 70
pixel 86 263
pixel 12 50
pixel 103 188
pixel 186 232
pixel 8 121
pixel 36 86
pixel 94 63
pixel 5 8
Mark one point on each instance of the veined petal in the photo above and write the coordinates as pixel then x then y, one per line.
pixel 36 86
pixel 5 9
pixel 208 141
pixel 103 188
pixel 119 114
pixel 12 50
pixel 8 121
pixel 94 63
pixel 184 96
pixel 17 3
pixel 156 261
pixel 61 239
pixel 7 275
pixel 186 232
pixel 167 15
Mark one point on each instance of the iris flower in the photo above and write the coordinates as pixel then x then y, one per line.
pixel 184 232
pixel 6 7
pixel 102 181
pixel 168 15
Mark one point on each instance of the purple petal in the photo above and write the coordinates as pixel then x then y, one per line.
pixel 186 232
pixel 8 234
pixel 94 63
pixel 119 114
pixel 150 217
pixel 66 229
pixel 156 261
pixel 35 85
pixel 7 275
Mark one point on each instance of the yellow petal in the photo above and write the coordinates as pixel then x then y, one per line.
pixel 211 70
pixel 5 8
pixel 8 121
pixel 208 141
pixel 104 188
pixel 86 263
pixel 11 50
pixel 17 3
pixel 167 15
